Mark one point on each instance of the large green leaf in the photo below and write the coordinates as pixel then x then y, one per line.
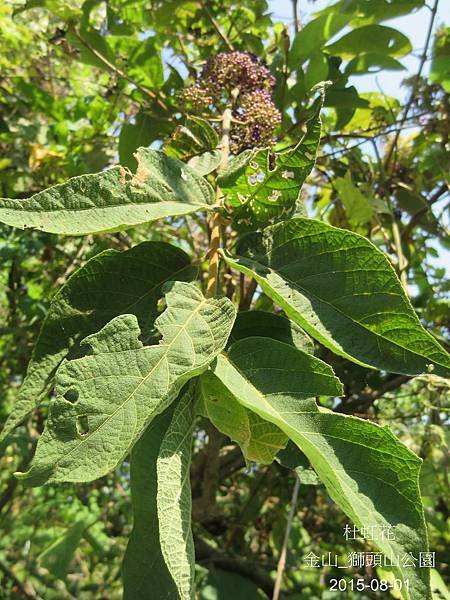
pixel 371 39
pixel 260 192
pixel 357 207
pixel 259 440
pixel 314 35
pixel 373 11
pixel 174 495
pixel 144 571
pixel 370 474
pixel 344 292
pixel 110 284
pixel 114 199
pixel 106 399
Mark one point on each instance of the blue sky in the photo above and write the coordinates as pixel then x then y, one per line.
pixel 415 26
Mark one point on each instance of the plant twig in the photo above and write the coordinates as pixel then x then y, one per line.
pixel 216 26
pixel 282 560
pixel 246 299
pixel 21 588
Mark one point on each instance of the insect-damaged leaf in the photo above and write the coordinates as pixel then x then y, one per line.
pixel 370 474
pixel 114 199
pixel 259 192
pixel 107 398
pixel 344 292
pixel 110 284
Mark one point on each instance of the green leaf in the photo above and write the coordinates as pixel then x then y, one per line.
pixel 259 440
pixel 370 474
pixel 58 556
pixel 293 458
pixel 314 35
pixel 317 69
pixel 144 64
pixel 106 399
pixel 371 39
pixel 373 63
pixel 192 138
pixel 439 587
pixel 142 132
pixel 110 284
pixel 144 571
pixel 440 72
pixel 259 192
pixel 113 200
pixel 251 323
pixel 174 495
pixel 344 292
pixel 223 585
pixel 357 206
pixel 379 10
pixel 206 163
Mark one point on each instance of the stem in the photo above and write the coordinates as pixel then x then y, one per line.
pixel 282 560
pixel 224 146
pixel 246 299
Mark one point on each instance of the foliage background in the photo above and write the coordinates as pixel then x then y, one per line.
pixel 83 85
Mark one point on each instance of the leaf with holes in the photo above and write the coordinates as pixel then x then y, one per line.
pixel 110 284
pixel 259 192
pixel 106 399
pixel 114 199
pixel 370 474
pixel 344 292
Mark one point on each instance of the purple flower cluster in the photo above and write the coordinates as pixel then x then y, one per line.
pixel 229 70
pixel 239 78
pixel 255 121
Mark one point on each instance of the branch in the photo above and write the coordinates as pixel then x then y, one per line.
pixel 205 506
pixel 246 300
pixel 20 587
pixel 213 271
pixel 368 397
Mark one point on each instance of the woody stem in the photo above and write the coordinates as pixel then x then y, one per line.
pixel 224 146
